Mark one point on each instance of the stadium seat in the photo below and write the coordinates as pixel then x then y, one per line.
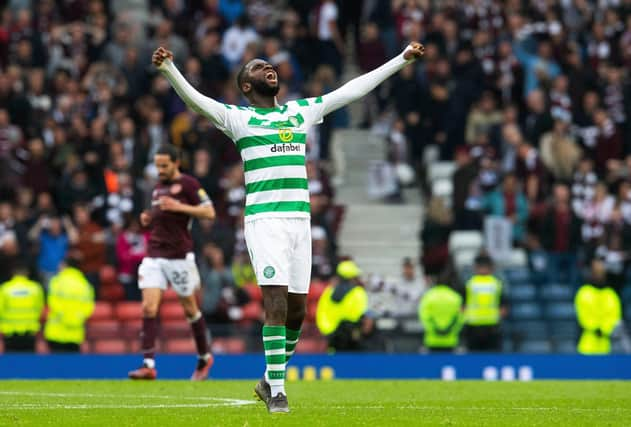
pixel 440 170
pixel 563 329
pixel 465 240
pixel 113 292
pixel 107 275
pixel 253 311
pixel 627 313
pixel 535 347
pixel 564 346
pixel 312 345
pixel 523 292
pixel 529 329
pixel 556 292
pixel 254 292
pixel 560 311
pixel 103 328
pixel 109 346
pixel 517 275
pixel 228 346
pixel 443 188
pixel 516 259
pixel 128 310
pixel 463 258
pixel 102 310
pixel 525 311
pixel 130 328
pixel 180 345
pixel 169 295
pixel 315 290
pixel 175 328
pixel 311 311
pixel 171 310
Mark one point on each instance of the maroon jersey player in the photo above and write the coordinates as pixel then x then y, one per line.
pixel 175 201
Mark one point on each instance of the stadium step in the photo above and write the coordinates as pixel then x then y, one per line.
pixel 376 234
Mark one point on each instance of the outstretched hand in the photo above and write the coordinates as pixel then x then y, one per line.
pixel 414 51
pixel 160 55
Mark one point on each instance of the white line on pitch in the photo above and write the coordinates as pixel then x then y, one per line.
pixel 29 406
pixel 122 396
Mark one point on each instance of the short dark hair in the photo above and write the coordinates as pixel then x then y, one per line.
pixel 241 77
pixel 483 260
pixel 168 150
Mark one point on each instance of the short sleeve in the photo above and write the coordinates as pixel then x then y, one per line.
pixel 195 194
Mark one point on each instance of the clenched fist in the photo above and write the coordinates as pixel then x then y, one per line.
pixel 160 55
pixel 414 51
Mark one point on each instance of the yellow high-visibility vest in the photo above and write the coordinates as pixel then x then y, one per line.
pixel 21 306
pixel 441 316
pixel 329 313
pixel 71 303
pixel 597 310
pixel 483 300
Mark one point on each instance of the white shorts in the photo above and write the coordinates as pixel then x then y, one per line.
pixel 181 273
pixel 280 252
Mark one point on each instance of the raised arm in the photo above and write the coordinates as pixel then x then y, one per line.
pixel 204 105
pixel 362 85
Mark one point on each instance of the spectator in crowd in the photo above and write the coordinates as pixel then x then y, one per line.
pixel 435 237
pixel 560 238
pixel 70 304
pixel 559 151
pixel 131 248
pixel 407 291
pixel 485 307
pixel 21 306
pixel 509 202
pixel 90 247
pixel 221 298
pixel 615 248
pixel 54 236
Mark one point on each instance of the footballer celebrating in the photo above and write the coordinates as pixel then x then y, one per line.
pixel 271 140
pixel 175 201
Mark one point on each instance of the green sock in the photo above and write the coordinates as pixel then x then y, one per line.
pixel 290 343
pixel 274 345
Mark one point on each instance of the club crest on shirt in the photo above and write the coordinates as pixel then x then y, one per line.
pixel 285 135
pixel 175 189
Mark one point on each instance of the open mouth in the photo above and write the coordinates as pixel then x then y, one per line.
pixel 271 77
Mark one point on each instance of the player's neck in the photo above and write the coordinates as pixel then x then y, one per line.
pixel 262 101
pixel 176 175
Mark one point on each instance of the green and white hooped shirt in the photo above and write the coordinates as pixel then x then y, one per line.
pixel 272 141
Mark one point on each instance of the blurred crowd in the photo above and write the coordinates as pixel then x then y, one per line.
pixel 530 99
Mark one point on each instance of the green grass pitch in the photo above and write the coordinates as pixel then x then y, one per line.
pixel 321 403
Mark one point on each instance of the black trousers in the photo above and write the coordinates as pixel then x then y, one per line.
pixel 63 347
pixel 19 343
pixel 484 338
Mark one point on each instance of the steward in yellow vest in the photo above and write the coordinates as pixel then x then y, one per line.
pixel 484 307
pixel 342 308
pixel 21 306
pixel 599 312
pixel 70 303
pixel 440 312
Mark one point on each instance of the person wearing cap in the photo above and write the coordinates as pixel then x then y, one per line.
pixel 341 313
pixel 484 307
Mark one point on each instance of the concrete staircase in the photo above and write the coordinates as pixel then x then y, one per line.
pixel 378 235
